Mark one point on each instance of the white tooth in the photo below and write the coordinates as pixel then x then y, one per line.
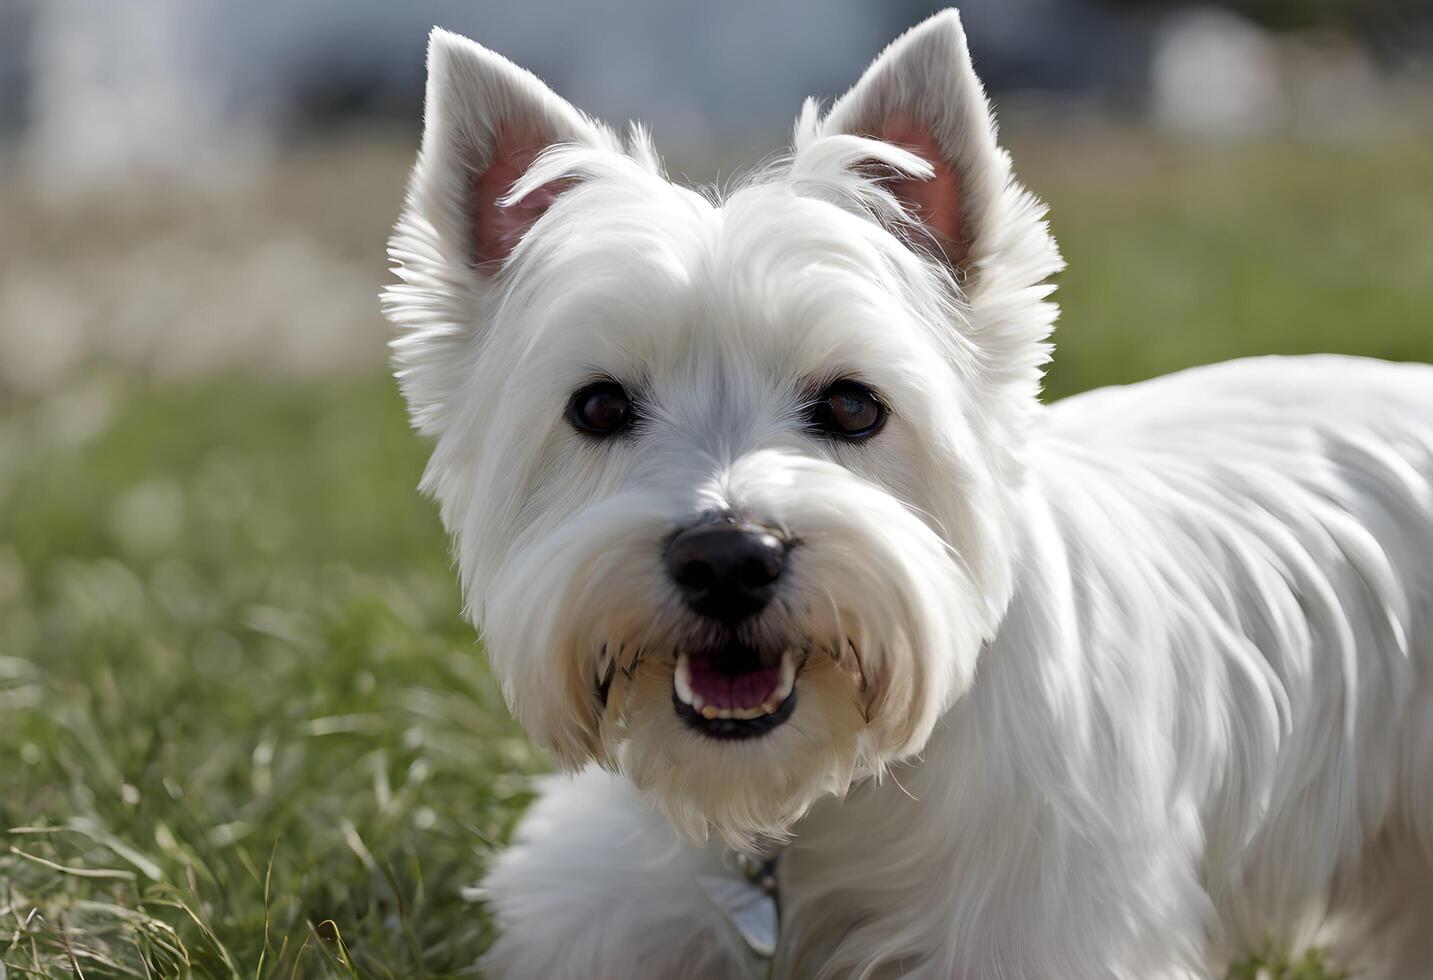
pixel 709 712
pixel 788 679
pixel 682 682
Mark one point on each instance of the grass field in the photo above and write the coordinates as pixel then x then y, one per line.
pixel 243 731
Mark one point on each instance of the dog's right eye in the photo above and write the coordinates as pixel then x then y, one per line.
pixel 848 410
pixel 601 408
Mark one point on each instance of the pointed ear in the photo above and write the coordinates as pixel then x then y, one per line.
pixel 922 94
pixel 485 120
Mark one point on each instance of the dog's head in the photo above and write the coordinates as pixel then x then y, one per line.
pixel 729 476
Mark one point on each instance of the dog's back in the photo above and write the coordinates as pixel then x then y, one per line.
pixel 1277 513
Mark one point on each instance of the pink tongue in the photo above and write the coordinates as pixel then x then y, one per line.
pixel 721 690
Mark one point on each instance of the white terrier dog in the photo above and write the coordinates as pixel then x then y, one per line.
pixel 771 540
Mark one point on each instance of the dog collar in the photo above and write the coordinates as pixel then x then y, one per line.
pixel 748 898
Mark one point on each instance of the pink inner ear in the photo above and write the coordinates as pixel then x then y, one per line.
pixel 936 201
pixel 498 229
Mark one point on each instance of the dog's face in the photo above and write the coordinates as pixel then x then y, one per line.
pixel 728 477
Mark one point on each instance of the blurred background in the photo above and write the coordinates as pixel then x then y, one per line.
pixel 243 729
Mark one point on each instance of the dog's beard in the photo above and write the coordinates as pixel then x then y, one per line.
pixel 876 611
pixel 748 791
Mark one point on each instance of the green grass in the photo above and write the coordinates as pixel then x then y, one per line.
pixel 235 667
pixel 1180 257
pixel 244 730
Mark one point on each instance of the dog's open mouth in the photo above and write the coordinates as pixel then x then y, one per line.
pixel 732 692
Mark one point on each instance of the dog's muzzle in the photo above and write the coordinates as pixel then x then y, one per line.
pixel 728 570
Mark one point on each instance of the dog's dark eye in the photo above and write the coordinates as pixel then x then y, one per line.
pixel 601 408
pixel 848 409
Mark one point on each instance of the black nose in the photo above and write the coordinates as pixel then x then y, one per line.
pixel 727 570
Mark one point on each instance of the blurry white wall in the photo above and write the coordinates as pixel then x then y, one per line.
pixel 195 89
pixel 1214 73
pixel 118 88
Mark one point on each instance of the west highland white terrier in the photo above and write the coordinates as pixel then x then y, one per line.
pixel 866 663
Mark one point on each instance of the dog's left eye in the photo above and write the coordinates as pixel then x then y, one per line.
pixel 848 409
pixel 601 408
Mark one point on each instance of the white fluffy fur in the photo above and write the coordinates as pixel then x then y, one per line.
pixel 1117 687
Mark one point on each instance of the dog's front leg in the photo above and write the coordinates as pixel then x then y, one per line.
pixel 598 887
